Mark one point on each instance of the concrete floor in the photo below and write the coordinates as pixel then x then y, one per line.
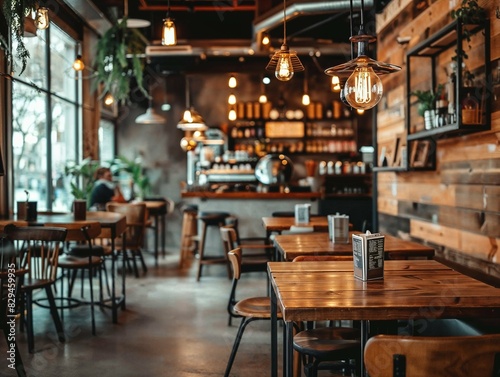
pixel 173 326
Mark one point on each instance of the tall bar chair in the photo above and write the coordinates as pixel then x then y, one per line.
pixel 210 220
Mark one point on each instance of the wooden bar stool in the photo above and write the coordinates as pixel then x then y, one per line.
pixel 189 234
pixel 211 219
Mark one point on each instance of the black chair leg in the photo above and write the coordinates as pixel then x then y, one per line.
pixel 239 335
pixel 29 322
pixel 54 313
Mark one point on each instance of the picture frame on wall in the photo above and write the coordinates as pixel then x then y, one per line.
pixel 419 153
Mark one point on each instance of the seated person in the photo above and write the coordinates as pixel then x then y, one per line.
pixel 105 190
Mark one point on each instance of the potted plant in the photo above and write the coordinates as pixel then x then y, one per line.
pixel 140 184
pixel 426 104
pixel 82 178
pixel 114 72
pixel 16 13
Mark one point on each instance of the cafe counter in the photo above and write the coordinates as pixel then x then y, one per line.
pixel 248 207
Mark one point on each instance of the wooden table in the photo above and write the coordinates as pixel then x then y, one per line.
pixel 318 243
pixel 414 289
pixel 113 225
pixel 278 224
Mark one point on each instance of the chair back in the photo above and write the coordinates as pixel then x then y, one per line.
pixel 38 248
pixel 80 231
pixel 229 238
pixel 136 215
pixel 457 356
pixel 235 260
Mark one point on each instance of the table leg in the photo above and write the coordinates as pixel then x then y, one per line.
pixel 288 350
pixel 163 234
pixel 114 255
pixel 364 339
pixel 156 239
pixel 274 333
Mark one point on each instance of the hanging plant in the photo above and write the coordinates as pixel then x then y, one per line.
pixel 15 13
pixel 114 70
pixel 469 12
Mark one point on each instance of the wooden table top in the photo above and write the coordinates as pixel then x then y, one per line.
pixel 318 243
pixel 277 224
pixel 314 291
pixel 112 223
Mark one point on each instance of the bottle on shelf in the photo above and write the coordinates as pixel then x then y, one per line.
pixel 470 110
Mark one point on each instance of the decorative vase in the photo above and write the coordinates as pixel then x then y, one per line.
pixel 428 119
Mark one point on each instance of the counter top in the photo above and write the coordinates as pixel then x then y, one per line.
pixel 250 195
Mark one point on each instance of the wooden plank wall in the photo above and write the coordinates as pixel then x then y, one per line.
pixel 455 208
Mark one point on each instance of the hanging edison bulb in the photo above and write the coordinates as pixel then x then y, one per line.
pixel 78 64
pixel 231 100
pixel 363 89
pixel 168 34
pixel 306 100
pixel 284 70
pixel 109 99
pixel 232 83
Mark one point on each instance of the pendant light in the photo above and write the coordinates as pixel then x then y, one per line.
pixel 191 120
pixel 150 116
pixel 168 32
pixel 363 89
pixel 133 23
pixel 284 62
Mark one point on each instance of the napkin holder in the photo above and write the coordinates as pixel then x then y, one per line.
pixel 338 228
pixel 302 213
pixel 368 256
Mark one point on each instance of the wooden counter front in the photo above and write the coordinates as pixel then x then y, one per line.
pixel 251 195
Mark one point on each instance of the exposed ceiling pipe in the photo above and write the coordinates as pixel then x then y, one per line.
pixel 274 18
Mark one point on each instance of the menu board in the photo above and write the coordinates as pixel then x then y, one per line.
pixel 285 129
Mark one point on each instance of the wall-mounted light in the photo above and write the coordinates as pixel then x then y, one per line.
pixel 306 100
pixel 363 89
pixel 231 100
pixel 284 62
pixel 232 83
pixel 168 33
pixel 78 64
pixel 42 18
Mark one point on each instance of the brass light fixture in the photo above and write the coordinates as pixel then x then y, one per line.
pixel 42 18
pixel 168 33
pixel 363 89
pixel 191 119
pixel 284 62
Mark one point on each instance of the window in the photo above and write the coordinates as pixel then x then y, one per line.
pixel 46 121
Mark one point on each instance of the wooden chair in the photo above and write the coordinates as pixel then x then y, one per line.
pixel 447 356
pixel 253 259
pixel 38 249
pixel 331 347
pixel 81 254
pixel 136 215
pixel 10 278
pixel 249 309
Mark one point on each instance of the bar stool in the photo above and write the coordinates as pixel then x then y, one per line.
pixel 211 219
pixel 189 234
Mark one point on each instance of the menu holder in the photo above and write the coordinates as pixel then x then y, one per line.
pixel 368 256
pixel 302 213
